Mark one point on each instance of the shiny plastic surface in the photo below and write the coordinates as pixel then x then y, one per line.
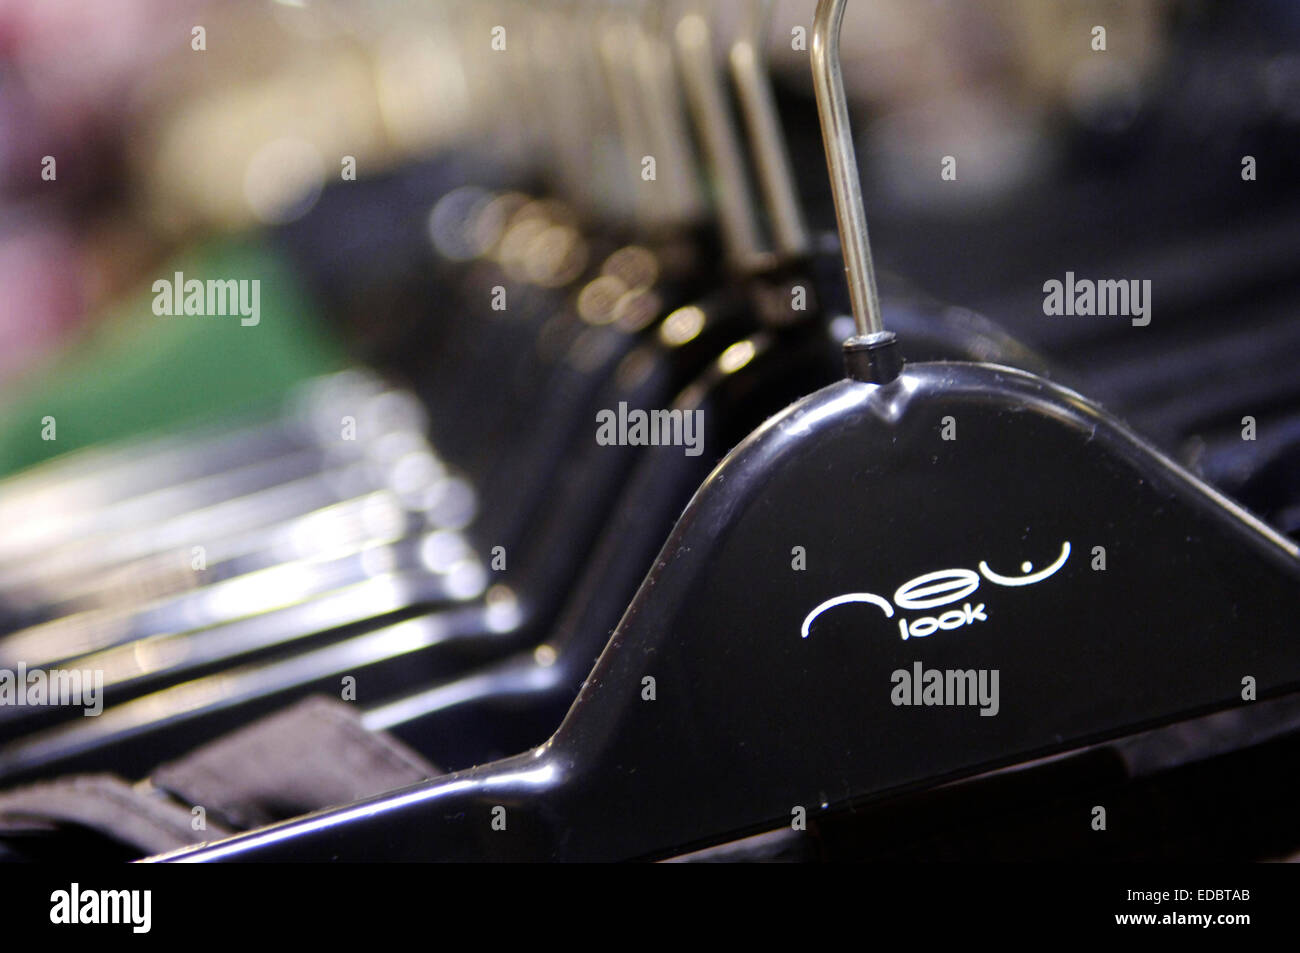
pixel 751 719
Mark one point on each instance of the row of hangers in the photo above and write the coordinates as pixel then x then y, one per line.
pixel 772 685
pixel 751 720
pixel 144 502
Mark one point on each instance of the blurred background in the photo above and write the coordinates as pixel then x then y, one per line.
pixel 1122 163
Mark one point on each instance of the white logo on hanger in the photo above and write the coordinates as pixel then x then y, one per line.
pixel 941 588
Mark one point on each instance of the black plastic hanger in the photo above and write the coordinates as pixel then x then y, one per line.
pixel 488 712
pixel 751 720
pixel 547 438
pixel 547 522
pixel 738 690
pixel 515 703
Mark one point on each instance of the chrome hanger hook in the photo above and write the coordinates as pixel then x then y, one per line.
pixel 837 136
pixel 767 140
pixel 719 139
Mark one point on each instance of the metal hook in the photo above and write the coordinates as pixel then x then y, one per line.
pixel 767 141
pixel 614 45
pixel 833 111
pixel 666 114
pixel 724 153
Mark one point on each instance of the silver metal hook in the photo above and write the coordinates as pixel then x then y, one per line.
pixel 833 111
pixel 615 46
pixel 721 142
pixel 767 141
pixel 666 114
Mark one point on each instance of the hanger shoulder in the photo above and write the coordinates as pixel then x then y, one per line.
pixel 739 688
pixel 981 548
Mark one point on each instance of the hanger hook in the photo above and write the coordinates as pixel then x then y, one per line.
pixel 837 137
pixel 719 139
pixel 767 140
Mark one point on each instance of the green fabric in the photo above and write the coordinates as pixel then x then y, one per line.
pixel 136 372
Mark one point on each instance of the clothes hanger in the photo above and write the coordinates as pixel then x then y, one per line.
pixel 766 700
pixel 545 354
pixel 64 499
pixel 362 518
pixel 249 634
pixel 652 372
pixel 390 512
pixel 377 509
pixel 258 632
pixel 507 705
pixel 238 529
pixel 481 89
pixel 752 379
pixel 356 570
pixel 237 463
pixel 778 217
pixel 510 704
pixel 553 420
pixel 554 671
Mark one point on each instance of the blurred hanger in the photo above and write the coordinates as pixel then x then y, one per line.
pixel 66 498
pixel 747 58
pixel 752 378
pixel 511 704
pixel 545 525
pixel 507 705
pixel 580 355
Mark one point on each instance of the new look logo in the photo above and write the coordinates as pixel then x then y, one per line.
pixel 933 590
